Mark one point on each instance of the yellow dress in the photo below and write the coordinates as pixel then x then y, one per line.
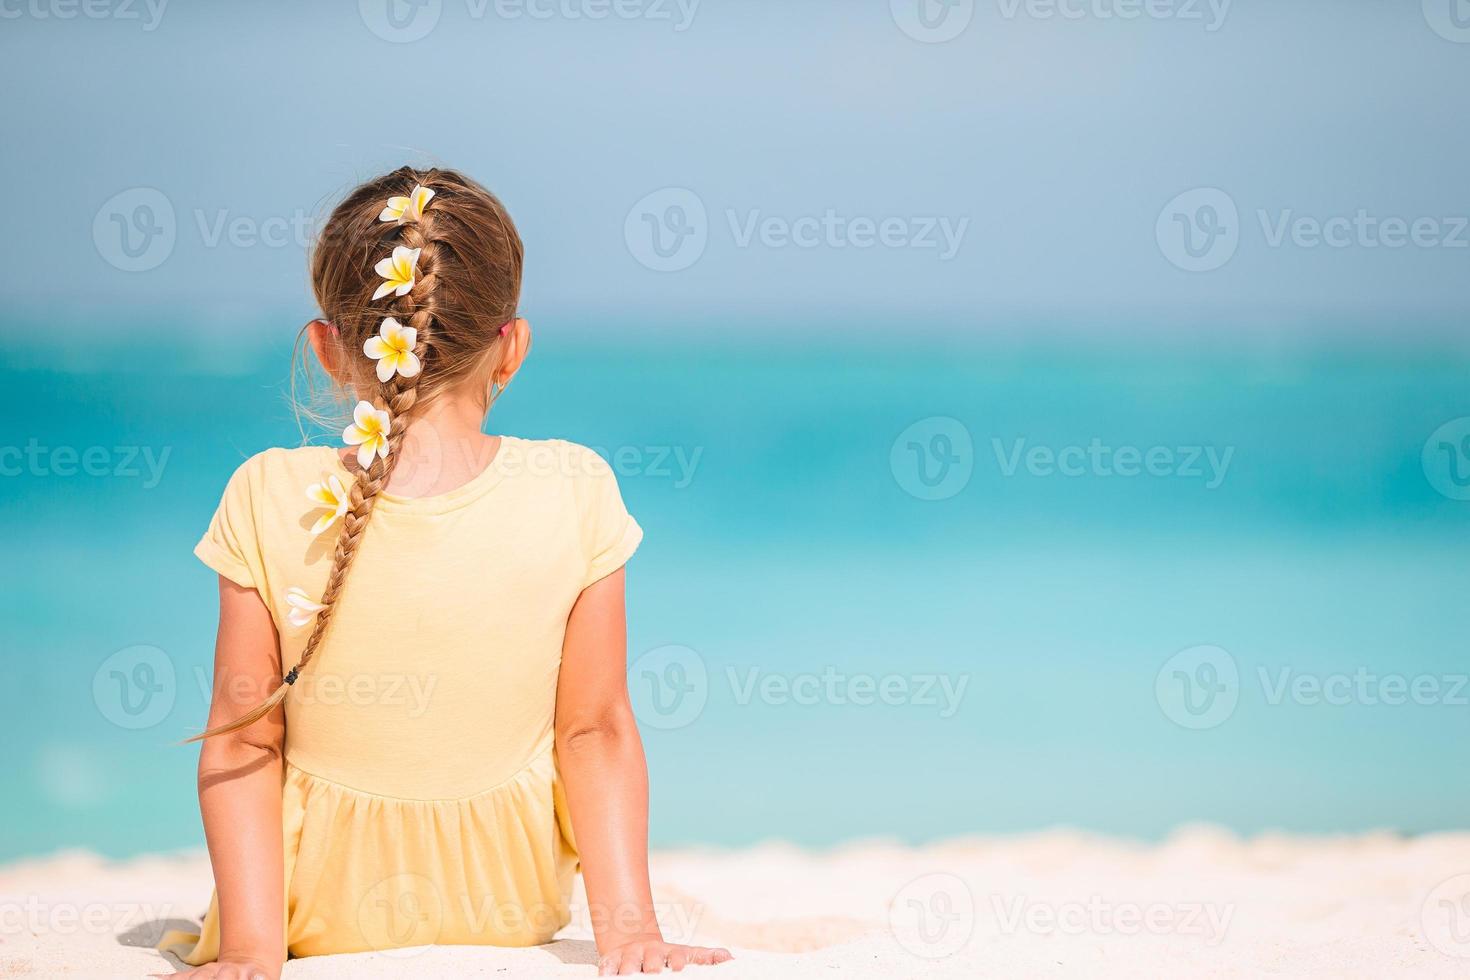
pixel 421 799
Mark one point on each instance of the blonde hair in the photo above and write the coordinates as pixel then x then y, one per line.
pixel 466 290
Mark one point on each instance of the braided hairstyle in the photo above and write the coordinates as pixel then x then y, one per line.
pixel 466 287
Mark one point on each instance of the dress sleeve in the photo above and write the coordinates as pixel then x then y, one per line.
pixel 609 531
pixel 231 545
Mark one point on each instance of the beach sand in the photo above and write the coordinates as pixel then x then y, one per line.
pixel 1054 904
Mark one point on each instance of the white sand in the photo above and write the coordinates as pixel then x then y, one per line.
pixel 1055 904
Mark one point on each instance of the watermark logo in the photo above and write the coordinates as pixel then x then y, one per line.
pixel 404 910
pixel 1362 687
pixel 667 231
pixel 1198 687
pixel 835 230
pixel 31 914
pixel 933 916
pixel 1208 464
pixel 668 686
pixel 1199 230
pixel 135 687
pixel 1446 459
pixel 942 692
pixel 932 21
pixel 1450 19
pixel 1445 916
pixel 117 462
pixel 1097 916
pixel 400 21
pixel 147 12
pixel 1210 13
pixel 933 458
pixel 676 464
pixel 135 230
pixel 1362 229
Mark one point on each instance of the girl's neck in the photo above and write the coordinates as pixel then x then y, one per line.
pixel 443 449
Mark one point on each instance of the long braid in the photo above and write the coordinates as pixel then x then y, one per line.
pixel 399 395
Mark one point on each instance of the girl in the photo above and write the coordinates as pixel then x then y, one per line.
pixel 437 618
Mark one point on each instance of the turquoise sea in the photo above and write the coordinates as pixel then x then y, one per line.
pixel 909 589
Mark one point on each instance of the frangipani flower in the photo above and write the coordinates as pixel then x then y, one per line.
pixel 410 208
pixel 303 607
pixel 392 348
pixel 368 432
pixel 398 271
pixel 328 494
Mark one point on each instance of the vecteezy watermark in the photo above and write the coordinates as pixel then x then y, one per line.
pixel 678 921
pixel 30 915
pixel 933 916
pixel 1097 916
pixel 933 458
pixel 135 687
pixel 401 914
pixel 1362 686
pixel 1446 459
pixel 673 463
pixel 1200 230
pixel 1450 19
pixel 1210 14
pixel 405 21
pixel 119 462
pixel 147 13
pixel 1445 916
pixel 136 230
pixel 932 21
pixel 1363 229
pixel 668 686
pixel 943 692
pixel 1206 463
pixel 330 689
pixel 668 230
pixel 404 912
pixel 424 453
pixel 1198 687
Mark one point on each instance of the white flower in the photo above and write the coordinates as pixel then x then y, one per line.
pixel 328 494
pixel 410 208
pixel 398 271
pixel 393 350
pixel 303 607
pixel 368 432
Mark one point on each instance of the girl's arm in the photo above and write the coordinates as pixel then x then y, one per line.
pixel 601 761
pixel 240 777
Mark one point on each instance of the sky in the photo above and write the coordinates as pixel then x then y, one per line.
pixel 837 162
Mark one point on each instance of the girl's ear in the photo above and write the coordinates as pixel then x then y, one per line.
pixel 517 346
pixel 328 347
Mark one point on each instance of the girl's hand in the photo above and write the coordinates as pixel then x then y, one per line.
pixel 652 955
pixel 229 968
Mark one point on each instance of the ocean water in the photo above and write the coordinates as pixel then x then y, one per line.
pixel 885 590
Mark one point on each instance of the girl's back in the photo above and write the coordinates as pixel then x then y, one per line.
pixel 420 778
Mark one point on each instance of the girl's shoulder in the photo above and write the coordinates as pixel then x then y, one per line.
pixel 279 465
pixel 554 459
